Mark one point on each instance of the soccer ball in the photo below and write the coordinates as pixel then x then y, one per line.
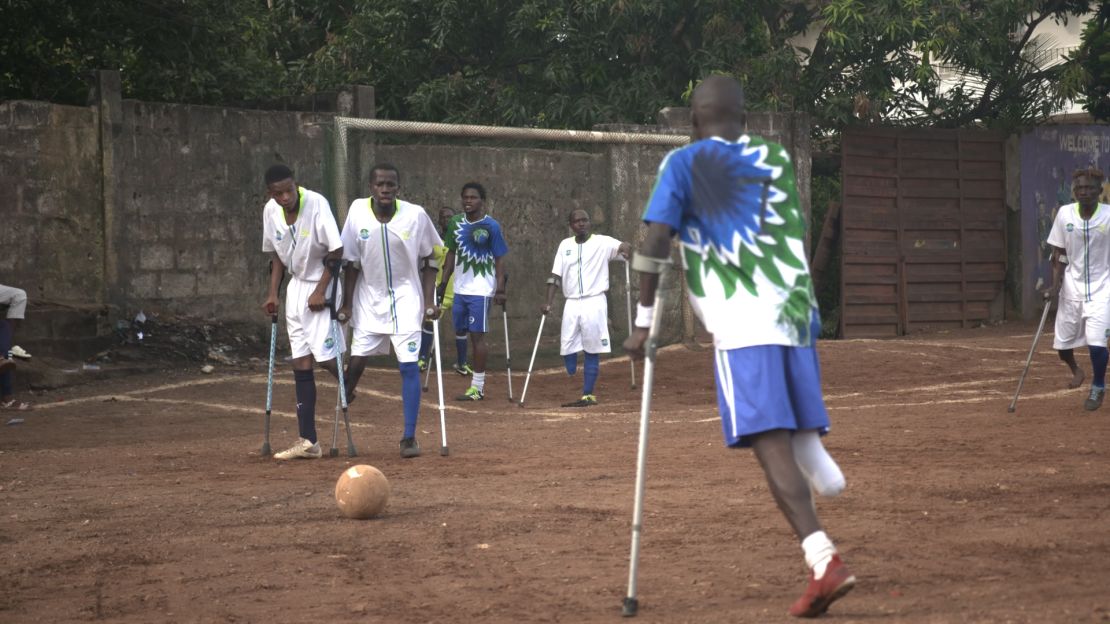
pixel 361 492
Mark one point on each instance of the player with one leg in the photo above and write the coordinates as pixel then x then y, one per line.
pixel 732 201
pixel 582 268
pixel 299 230
pixel 476 251
pixel 446 213
pixel 389 246
pixel 1080 243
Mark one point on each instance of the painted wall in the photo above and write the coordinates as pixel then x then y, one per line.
pixel 1048 156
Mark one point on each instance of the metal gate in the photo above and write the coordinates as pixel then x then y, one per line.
pixel 922 230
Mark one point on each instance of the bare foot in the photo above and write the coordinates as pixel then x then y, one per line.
pixel 1076 378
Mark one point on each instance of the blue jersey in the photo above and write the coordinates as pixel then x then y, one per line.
pixel 477 246
pixel 735 208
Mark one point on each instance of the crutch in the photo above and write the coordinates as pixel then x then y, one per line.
pixel 270 371
pixel 628 307
pixel 1033 348
pixel 439 385
pixel 630 602
pixel 333 268
pixel 270 386
pixel 539 333
pixel 428 369
pixel 508 358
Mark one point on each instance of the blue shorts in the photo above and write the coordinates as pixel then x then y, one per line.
pixel 469 313
pixel 769 387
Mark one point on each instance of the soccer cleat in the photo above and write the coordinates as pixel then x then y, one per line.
pixel 820 593
pixel 410 448
pixel 1094 401
pixel 301 449
pixel 423 364
pixel 472 394
pixel 586 401
pixel 19 352
pixel 464 370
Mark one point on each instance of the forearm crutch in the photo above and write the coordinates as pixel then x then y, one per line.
pixel 428 368
pixel 631 604
pixel 269 386
pixel 439 384
pixel 1032 349
pixel 628 307
pixel 333 268
pixel 508 358
pixel 532 362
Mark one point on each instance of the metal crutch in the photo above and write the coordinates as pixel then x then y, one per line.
pixel 333 268
pixel 1028 360
pixel 532 362
pixel 628 306
pixel 439 386
pixel 631 604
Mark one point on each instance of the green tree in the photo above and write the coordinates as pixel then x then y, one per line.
pixel 1091 76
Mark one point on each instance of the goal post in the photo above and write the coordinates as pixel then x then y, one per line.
pixel 343 125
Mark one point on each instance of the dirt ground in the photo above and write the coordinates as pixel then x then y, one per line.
pixel 145 499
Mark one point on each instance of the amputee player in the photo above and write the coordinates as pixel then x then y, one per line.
pixel 1080 243
pixel 581 267
pixel 389 244
pixel 299 231
pixel 476 251
pixel 732 201
pixel 446 213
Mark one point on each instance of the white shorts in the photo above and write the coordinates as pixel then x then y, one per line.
pixel 309 332
pixel 406 346
pixel 585 326
pixel 1081 323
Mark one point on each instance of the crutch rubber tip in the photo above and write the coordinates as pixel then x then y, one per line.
pixel 521 404
pixel 266 451
pixel 351 452
pixel 630 607
pixel 1010 409
pixel 633 386
pixel 443 451
pixel 333 453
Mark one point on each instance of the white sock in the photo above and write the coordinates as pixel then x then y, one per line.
pixel 479 381
pixel 816 464
pixel 819 551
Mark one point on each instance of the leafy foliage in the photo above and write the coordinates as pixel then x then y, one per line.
pixel 1092 71
pixel 554 63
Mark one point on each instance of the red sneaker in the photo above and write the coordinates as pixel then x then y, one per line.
pixel 820 593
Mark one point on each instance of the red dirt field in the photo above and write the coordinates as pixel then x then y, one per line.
pixel 145 499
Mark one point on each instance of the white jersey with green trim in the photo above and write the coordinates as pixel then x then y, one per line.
pixel 1087 245
pixel 389 297
pixel 584 268
pixel 303 245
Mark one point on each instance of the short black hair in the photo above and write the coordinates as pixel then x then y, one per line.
pixel 570 217
pixel 448 208
pixel 477 187
pixel 384 166
pixel 277 173
pixel 1091 172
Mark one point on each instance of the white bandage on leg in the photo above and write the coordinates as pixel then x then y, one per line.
pixel 816 464
pixel 819 551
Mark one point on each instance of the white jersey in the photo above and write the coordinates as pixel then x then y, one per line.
pixel 303 245
pixel 389 296
pixel 1087 245
pixel 584 268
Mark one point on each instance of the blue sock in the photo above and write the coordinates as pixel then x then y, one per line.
pixel 460 346
pixel 306 403
pixel 1099 357
pixel 426 339
pixel 590 370
pixel 410 395
pixel 571 362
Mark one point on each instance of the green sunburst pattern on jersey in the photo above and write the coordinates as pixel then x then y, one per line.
pixel 736 262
